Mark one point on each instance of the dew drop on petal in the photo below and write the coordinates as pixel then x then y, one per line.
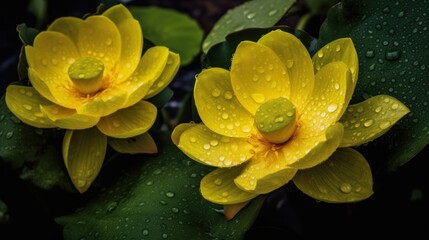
pixel 368 123
pixel 28 107
pixel 227 95
pixel 225 116
pixel 218 181
pixel 332 107
pixel 216 92
pixel 346 188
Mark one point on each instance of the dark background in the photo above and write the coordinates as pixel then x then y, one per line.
pixel 398 206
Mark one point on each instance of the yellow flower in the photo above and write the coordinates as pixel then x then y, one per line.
pixel 280 115
pixel 88 76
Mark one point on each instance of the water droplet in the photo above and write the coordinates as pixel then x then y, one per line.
pixel 216 92
pixel 369 54
pixel 368 123
pixel 289 63
pixel 338 48
pixel 227 95
pixel 251 15
pixel 164 235
pixel 225 115
pixel 332 107
pixel 175 210
pixel 378 109
pixel 206 146
pixel 9 135
pixel 28 107
pixel 145 232
pixel 279 119
pixel 392 55
pixel 245 129
pixel 320 54
pixel 169 194
pixel 149 183
pixel 218 181
pixel 395 106
pixel 346 188
pixel 192 139
pixel 214 143
pixel 337 86
pixel 258 97
pixel 272 12
pixel 384 125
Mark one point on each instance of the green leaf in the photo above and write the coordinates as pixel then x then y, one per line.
pixel 170 28
pixel 156 197
pixel 391 38
pixel 251 14
pixel 220 54
pixel 35 152
pixel 26 35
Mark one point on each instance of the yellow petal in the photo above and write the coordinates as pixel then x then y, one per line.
pixel 167 75
pixel 328 100
pixel 306 152
pixel 129 122
pixel 210 148
pixel 67 118
pixel 69 26
pixel 40 85
pixel 368 120
pixel 103 103
pixel 345 177
pixel 83 153
pixel 341 50
pixel 51 55
pixel 63 95
pixel 131 38
pixel 230 210
pixel 218 106
pixel 24 102
pixel 265 174
pixel 298 63
pixel 257 75
pixel 142 143
pixel 218 187
pixel 178 130
pixel 99 37
pixel 149 69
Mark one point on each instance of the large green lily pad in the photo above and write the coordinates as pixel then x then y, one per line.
pixel 156 197
pixel 170 28
pixel 251 14
pixel 391 38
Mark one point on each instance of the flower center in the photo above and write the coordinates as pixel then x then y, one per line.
pixel 276 120
pixel 87 74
